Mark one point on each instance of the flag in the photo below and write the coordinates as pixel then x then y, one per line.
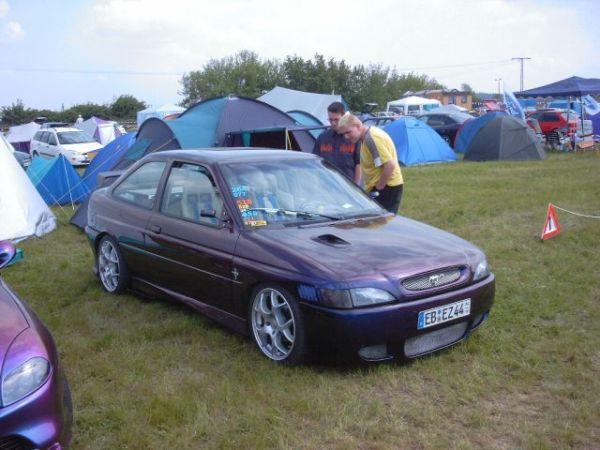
pixel 513 107
pixel 592 107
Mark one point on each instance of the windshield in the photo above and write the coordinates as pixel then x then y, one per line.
pixel 294 191
pixel 73 137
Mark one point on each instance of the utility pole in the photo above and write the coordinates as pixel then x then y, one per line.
pixel 521 59
pixel 498 80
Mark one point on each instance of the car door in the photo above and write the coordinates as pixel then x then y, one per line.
pixel 42 144
pixel 131 204
pixel 193 248
pixel 53 148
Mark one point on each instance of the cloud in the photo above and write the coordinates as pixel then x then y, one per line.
pixel 12 31
pixel 4 8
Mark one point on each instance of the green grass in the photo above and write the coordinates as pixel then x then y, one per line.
pixel 153 374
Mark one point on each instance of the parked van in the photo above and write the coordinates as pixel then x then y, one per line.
pixel 412 106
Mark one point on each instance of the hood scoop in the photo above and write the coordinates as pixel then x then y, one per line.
pixel 331 239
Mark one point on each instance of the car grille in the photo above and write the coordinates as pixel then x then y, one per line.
pixel 432 280
pixel 434 340
pixel 14 443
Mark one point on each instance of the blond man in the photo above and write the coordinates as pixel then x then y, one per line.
pixel 378 161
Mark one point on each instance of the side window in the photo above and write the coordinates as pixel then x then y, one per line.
pixel 38 136
pixel 140 186
pixel 191 194
pixel 52 139
pixel 44 137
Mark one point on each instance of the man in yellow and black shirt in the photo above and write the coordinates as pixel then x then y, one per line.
pixel 378 161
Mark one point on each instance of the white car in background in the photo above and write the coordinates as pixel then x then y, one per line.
pixel 77 146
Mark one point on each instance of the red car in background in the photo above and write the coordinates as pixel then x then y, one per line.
pixel 555 120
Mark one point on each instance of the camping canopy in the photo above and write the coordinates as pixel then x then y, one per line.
pixel 20 135
pixel 103 131
pixel 502 137
pixel 23 213
pixel 160 112
pixel 57 181
pixel 309 102
pixel 418 143
pixel 574 86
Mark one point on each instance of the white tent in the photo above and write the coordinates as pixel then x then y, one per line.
pixel 103 131
pixel 413 105
pixel 160 112
pixel 309 102
pixel 23 213
pixel 20 135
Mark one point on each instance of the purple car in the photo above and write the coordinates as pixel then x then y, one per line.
pixel 35 400
pixel 282 246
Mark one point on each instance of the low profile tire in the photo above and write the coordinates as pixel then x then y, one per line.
pixel 276 325
pixel 112 269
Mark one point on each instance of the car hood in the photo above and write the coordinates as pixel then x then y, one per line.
pixel 83 147
pixel 393 247
pixel 12 320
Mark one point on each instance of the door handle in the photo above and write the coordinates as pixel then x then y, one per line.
pixel 155 229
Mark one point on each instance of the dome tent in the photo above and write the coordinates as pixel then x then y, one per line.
pixel 418 143
pixel 57 181
pixel 504 137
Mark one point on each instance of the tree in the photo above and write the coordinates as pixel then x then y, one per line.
pixel 126 107
pixel 17 113
pixel 466 88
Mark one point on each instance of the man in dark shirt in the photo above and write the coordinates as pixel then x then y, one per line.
pixel 333 147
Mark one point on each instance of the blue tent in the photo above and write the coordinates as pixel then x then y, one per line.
pixel 107 158
pixel 57 181
pixel 306 119
pixel 418 143
pixel 470 128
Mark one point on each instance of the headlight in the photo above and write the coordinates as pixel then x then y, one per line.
pixel 342 298
pixel 25 379
pixel 482 270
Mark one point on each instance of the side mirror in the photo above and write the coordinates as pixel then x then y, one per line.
pixel 208 213
pixel 7 253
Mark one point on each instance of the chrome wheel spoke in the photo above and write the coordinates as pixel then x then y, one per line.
pixel 108 266
pixel 273 324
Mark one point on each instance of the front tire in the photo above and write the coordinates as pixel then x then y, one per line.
pixel 276 325
pixel 112 269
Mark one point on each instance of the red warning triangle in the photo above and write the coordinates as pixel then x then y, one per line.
pixel 551 227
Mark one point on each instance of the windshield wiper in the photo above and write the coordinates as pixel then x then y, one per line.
pixel 289 212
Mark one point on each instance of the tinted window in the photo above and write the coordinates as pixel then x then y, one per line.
pixel 548 117
pixel 140 186
pixel 190 194
pixel 52 139
pixel 436 121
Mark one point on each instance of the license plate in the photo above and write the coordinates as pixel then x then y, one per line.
pixel 444 313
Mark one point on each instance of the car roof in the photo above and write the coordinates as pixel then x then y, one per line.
pixel 218 155
pixel 60 129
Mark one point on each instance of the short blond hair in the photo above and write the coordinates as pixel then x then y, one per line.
pixel 349 119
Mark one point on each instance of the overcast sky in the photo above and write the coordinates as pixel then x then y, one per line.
pixel 66 52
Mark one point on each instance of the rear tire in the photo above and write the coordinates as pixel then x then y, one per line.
pixel 112 269
pixel 276 325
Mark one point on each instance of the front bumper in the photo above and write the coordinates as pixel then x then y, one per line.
pixel 41 420
pixel 350 330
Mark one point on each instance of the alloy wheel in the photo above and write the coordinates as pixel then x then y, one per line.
pixel 273 324
pixel 108 266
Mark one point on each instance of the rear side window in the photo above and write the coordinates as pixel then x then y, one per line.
pixel 141 185
pixel 38 135
pixel 52 139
